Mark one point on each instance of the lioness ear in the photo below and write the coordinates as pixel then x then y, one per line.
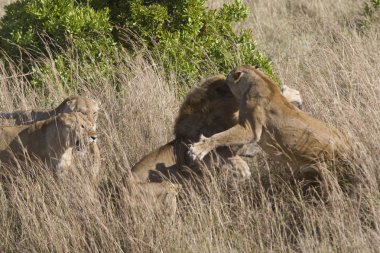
pixel 238 75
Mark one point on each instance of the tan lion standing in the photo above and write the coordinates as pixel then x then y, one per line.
pixel 284 132
pixel 51 141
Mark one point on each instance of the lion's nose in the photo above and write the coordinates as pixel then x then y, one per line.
pixel 93 138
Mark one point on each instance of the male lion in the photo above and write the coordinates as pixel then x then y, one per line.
pixel 87 106
pixel 51 141
pixel 284 132
pixel 208 109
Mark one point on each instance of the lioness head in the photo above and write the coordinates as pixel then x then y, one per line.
pixel 243 78
pixel 86 106
pixel 73 130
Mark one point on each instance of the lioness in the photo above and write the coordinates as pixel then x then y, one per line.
pixel 51 140
pixel 87 106
pixel 158 198
pixel 208 109
pixel 267 118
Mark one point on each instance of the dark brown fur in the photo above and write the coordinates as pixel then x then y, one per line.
pixel 207 109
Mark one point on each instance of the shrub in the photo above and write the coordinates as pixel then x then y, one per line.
pixel 34 28
pixel 369 15
pixel 27 20
pixel 184 35
pixel 189 38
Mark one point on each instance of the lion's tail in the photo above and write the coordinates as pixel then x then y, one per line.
pixel 20 117
pixel 8 115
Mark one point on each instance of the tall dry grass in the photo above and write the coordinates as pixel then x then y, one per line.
pixel 315 47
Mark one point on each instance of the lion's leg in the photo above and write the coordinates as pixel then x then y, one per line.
pixel 95 155
pixel 316 179
pixel 160 198
pixel 239 167
pixel 236 135
pixel 251 121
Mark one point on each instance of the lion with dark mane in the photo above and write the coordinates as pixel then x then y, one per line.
pixel 208 109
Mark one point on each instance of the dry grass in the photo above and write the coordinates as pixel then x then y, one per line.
pixel 315 48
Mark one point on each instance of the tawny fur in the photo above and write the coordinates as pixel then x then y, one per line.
pixel 267 118
pixel 159 198
pixel 208 109
pixel 50 141
pixel 87 106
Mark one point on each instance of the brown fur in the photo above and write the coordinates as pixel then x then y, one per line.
pixel 208 109
pixel 88 107
pixel 50 141
pixel 81 104
pixel 267 118
pixel 158 198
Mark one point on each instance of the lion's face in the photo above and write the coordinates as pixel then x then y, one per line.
pixel 86 106
pixel 248 79
pixel 75 130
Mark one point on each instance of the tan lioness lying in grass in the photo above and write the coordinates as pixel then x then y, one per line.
pixel 87 106
pixel 284 132
pixel 208 109
pixel 51 141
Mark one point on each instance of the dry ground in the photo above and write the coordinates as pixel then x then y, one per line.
pixel 315 47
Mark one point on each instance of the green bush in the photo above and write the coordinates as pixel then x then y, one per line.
pixel 369 15
pixel 63 21
pixel 188 38
pixel 40 27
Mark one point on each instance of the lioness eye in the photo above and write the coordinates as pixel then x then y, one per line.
pixel 82 126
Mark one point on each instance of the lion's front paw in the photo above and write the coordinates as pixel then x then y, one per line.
pixel 200 149
pixel 240 167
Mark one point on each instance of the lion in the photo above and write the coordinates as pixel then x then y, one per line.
pixel 50 141
pixel 158 197
pixel 267 118
pixel 208 109
pixel 87 106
